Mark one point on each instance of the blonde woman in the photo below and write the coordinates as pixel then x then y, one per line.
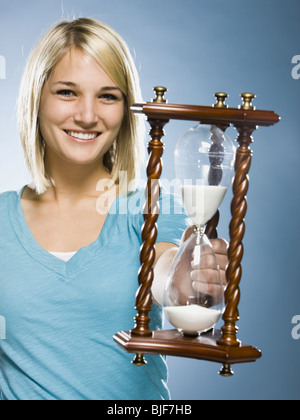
pixel 69 242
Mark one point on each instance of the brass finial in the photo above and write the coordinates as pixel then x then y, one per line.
pixel 139 360
pixel 221 98
pixel 247 101
pixel 226 371
pixel 160 91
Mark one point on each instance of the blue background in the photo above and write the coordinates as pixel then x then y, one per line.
pixel 196 48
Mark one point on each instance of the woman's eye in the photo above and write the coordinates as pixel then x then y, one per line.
pixel 108 97
pixel 66 93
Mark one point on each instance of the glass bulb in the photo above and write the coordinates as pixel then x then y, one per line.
pixel 207 154
pixel 194 294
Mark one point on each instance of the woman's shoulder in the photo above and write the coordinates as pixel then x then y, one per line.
pixel 172 218
pixel 10 198
pixel 169 204
pixel 7 195
pixel 8 207
pixel 164 195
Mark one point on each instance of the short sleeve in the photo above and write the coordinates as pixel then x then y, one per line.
pixel 172 220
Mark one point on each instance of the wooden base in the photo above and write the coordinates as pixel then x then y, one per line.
pixel 172 343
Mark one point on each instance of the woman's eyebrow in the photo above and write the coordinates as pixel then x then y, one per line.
pixel 110 88
pixel 70 84
pixel 74 85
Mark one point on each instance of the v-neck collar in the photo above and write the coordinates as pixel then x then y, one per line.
pixel 82 257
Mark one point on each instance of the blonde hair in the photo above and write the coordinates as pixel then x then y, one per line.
pixel 112 54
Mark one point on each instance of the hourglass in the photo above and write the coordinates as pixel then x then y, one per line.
pixel 204 163
pixel 203 185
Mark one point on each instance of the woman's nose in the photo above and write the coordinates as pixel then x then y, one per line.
pixel 86 112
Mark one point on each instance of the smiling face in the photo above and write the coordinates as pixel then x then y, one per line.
pixel 81 111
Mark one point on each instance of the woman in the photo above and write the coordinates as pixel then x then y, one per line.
pixel 69 242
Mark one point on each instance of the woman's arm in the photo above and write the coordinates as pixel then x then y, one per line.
pixel 165 254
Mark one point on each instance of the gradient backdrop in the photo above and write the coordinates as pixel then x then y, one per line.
pixel 196 48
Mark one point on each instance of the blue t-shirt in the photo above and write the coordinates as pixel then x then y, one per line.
pixel 60 318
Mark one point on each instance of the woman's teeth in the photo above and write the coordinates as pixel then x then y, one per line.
pixel 82 136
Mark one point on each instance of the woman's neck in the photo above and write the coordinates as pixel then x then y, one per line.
pixel 72 182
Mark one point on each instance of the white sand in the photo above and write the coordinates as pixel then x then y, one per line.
pixel 192 318
pixel 202 201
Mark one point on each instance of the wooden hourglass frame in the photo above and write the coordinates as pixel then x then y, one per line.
pixel 221 346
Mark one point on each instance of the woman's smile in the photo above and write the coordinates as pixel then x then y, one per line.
pixel 84 137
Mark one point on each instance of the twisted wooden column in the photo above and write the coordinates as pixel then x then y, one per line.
pixel 237 231
pixel 149 231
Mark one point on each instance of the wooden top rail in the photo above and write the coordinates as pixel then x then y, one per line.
pixel 206 114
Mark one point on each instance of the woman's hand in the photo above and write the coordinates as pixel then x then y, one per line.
pixel 220 247
pixel 197 277
pixel 208 277
pixel 166 257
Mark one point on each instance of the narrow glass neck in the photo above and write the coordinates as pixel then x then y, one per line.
pixel 199 230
